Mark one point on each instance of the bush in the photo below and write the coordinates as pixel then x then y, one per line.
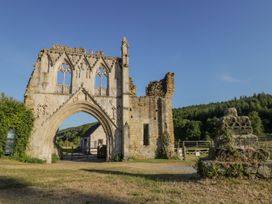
pixel 54 158
pixel 28 159
pixel 164 152
pixel 14 115
pixel 212 169
pixel 117 157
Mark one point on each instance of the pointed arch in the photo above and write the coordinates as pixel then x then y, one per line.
pixel 68 60
pixel 86 107
pixel 100 62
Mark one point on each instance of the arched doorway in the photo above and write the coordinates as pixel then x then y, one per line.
pixel 43 138
pixel 65 112
pixel 81 138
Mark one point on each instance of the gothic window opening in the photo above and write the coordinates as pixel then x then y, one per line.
pixel 101 82
pixel 49 64
pixel 64 79
pixel 146 134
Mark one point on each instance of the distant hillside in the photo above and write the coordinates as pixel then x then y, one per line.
pixel 71 136
pixel 198 121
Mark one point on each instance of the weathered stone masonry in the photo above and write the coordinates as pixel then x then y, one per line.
pixel 68 80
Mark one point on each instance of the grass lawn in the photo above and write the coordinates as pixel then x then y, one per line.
pixel 122 182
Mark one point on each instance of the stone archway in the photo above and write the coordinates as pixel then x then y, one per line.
pixel 67 111
pixel 42 140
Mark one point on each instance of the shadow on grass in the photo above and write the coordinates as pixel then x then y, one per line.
pixel 8 182
pixel 83 158
pixel 16 190
pixel 186 177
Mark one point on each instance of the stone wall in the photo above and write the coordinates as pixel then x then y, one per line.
pixel 154 109
pixel 98 134
pixel 144 110
pixel 165 89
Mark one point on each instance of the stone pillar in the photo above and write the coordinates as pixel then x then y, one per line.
pixel 170 85
pixel 126 137
pixel 125 96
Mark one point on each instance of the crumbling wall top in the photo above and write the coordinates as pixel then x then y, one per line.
pixel 59 49
pixel 64 48
pixel 162 88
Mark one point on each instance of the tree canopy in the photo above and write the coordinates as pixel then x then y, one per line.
pixel 199 121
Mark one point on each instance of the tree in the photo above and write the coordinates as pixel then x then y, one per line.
pixel 193 130
pixel 260 103
pixel 211 127
pixel 256 123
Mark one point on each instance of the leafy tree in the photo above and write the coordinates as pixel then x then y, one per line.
pixel 193 130
pixel 256 123
pixel 212 127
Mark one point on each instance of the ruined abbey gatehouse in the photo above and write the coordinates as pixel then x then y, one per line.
pixel 64 82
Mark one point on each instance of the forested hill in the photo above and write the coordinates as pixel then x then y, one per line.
pixel 198 121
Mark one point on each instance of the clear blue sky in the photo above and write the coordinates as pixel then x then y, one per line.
pixel 217 49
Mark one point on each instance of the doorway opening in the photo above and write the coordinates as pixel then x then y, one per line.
pixel 81 137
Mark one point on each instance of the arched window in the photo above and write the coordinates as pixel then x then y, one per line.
pixel 101 82
pixel 49 64
pixel 64 79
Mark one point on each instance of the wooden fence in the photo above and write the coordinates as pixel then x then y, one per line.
pixel 196 148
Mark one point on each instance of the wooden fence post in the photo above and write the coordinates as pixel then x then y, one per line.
pixel 184 150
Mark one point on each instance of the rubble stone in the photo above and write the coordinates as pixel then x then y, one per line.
pixel 235 152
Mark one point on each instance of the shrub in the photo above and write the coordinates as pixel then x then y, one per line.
pixel 28 159
pixel 14 115
pixel 54 158
pixel 164 152
pixel 117 157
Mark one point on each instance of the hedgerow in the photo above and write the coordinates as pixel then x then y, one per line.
pixel 14 115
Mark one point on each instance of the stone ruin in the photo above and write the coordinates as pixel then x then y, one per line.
pixel 68 80
pixel 235 152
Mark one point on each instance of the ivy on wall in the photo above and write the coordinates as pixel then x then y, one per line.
pixel 14 115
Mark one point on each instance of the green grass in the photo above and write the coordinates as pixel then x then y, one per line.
pixel 121 182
